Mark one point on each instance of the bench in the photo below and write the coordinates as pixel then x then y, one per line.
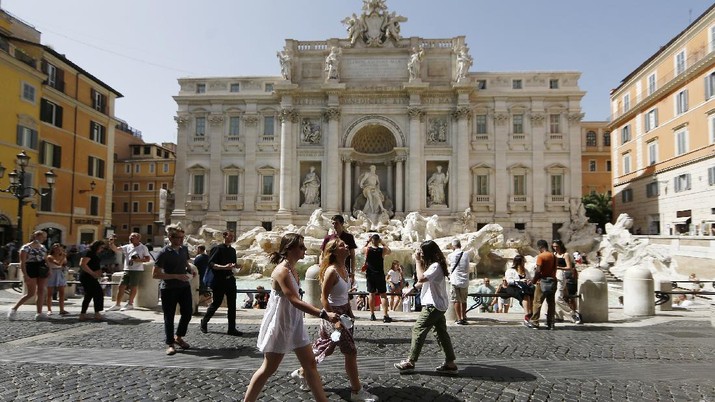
pixel 663 296
pixel 478 298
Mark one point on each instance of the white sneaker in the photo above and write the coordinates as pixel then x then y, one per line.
pixel 298 376
pixel 12 314
pixel 363 395
pixel 127 307
pixel 114 308
pixel 40 317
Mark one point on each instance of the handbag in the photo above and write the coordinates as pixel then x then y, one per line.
pixel 548 285
pixel 363 268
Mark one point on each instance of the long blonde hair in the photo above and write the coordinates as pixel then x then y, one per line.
pixel 329 257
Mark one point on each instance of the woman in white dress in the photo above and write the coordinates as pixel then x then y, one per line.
pixel 282 329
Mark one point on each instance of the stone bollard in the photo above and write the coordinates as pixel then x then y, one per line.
pixel 13 269
pixel 117 278
pixel 638 292
pixel 148 289
pixel 450 315
pixel 70 289
pixel 593 289
pixel 665 286
pixel 311 286
pixel 712 314
pixel 194 283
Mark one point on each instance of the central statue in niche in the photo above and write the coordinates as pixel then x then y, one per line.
pixel 372 200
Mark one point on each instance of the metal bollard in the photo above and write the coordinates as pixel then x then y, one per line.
pixel 312 286
pixel 593 288
pixel 638 292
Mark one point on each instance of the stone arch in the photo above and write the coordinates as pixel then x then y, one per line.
pixel 374 120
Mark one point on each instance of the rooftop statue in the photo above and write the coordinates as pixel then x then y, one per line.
pixel 375 26
pixel 464 63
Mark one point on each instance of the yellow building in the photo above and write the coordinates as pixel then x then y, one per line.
pixel 143 186
pixel 595 158
pixel 74 136
pixel 664 136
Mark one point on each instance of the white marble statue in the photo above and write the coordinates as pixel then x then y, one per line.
pixel 311 188
pixel 370 185
pixel 318 225
pixel 310 132
pixel 437 131
pixel 372 6
pixel 413 230
pixel 391 26
pixel 332 64
pixel 415 63
pixel 435 187
pixel 433 230
pixel 355 27
pixel 286 61
pixel 464 63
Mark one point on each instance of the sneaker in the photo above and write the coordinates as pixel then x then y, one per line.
pixel 234 332
pixel 170 351
pixel 445 368
pixel 531 325
pixel 12 314
pixel 372 317
pixel 40 317
pixel 577 319
pixel 363 395
pixel 462 322
pixel 204 326
pixel 300 379
pixel 386 319
pixel 551 327
pixel 405 366
pixel 115 307
pixel 49 312
pixel 127 307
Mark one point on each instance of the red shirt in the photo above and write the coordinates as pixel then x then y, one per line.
pixel 547 262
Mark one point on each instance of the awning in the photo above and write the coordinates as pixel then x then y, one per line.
pixel 682 221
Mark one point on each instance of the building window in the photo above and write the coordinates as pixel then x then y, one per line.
pixel 165 168
pixel 681 142
pixel 681 182
pixel 651 119
pixel 125 207
pixel 481 84
pixel 126 187
pixel 520 226
pixel 232 184
pixel 150 229
pixel 232 226
pixel 97 132
pixel 135 187
pixel 95 167
pixel 235 88
pixel 136 151
pixel 626 163
pixel 554 124
pixel 652 152
pixel 591 166
pixel 152 168
pixel 135 206
pixel 481 122
pixel 200 126
pixel 200 88
pixel 651 84
pixel 46 201
pixel 626 102
pixel 591 139
pixel 651 189
pixel 268 126
pixel 482 184
pixel 681 102
pixel 608 166
pixel 137 168
pixel 147 150
pixel 50 113
pixel 711 127
pixel 28 92
pixel 268 225
pixel 711 176
pixel 625 134
pixel 198 184
pixel 553 84
pixel 680 62
pixel 150 207
pixel 267 185
pixel 150 187
pixel 269 87
pixel 712 38
pixel 26 137
pixel 557 184
pixel 627 195
pixel 607 139
pixel 50 154
pixel 233 126
pixel 516 84
pixel 518 123
pixel 519 184
pixel 136 229
pixel 709 86
pixel 99 101
pixel 165 186
pixel 94 205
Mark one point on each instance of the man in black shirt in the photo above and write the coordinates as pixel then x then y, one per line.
pixel 222 261
pixel 339 225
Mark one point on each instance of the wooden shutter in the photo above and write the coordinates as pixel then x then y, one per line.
pixel 57 156
pixel 100 169
pixel 42 152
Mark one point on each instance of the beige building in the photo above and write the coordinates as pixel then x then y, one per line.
pixel 663 127
pixel 595 158
pixel 381 124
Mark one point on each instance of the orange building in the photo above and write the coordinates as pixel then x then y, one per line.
pixel 664 136
pixel 595 158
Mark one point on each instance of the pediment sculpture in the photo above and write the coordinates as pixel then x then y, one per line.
pixel 375 26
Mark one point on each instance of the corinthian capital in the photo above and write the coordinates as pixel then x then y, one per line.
pixel 182 120
pixel 289 114
pixel 462 112
pixel 332 113
pixel 575 117
pixel 415 113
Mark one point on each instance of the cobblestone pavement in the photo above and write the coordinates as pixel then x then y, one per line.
pixel 123 359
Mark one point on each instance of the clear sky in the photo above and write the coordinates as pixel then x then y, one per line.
pixel 141 47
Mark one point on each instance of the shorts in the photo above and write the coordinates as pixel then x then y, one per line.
pixel 37 269
pixel 57 278
pixel 459 295
pixel 376 284
pixel 131 278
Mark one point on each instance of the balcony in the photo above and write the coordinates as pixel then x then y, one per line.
pixel 267 202
pixel 555 142
pixel 197 202
pixel 268 143
pixel 556 203
pixel 231 202
pixel 232 143
pixel 519 203
pixel 481 142
pixel 518 142
pixel 482 202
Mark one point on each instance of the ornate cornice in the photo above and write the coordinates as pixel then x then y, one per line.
pixel 501 118
pixel 250 119
pixel 537 119
pixel 216 119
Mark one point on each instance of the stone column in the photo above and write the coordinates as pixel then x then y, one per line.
pixel 415 185
pixel 215 180
pixel 288 115
pixel 390 189
pixel 462 114
pixel 250 185
pixel 347 184
pixel 399 190
pixel 502 180
pixel 331 169
pixel 182 179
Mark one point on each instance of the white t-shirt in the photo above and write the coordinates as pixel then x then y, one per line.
pixel 129 250
pixel 434 291
pixel 460 276
pixel 395 276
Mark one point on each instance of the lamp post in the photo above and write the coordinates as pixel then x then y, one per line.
pixel 19 190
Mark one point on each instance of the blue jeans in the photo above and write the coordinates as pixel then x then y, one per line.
pixel 169 299
pixel 428 318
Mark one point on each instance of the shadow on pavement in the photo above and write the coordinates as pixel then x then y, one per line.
pixel 495 373
pixel 411 393
pixel 224 353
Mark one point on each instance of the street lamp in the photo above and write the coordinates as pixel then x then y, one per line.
pixel 19 190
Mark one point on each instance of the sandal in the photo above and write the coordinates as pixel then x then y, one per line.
pixel 182 343
pixel 64 312
pixel 445 368
pixel 405 366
